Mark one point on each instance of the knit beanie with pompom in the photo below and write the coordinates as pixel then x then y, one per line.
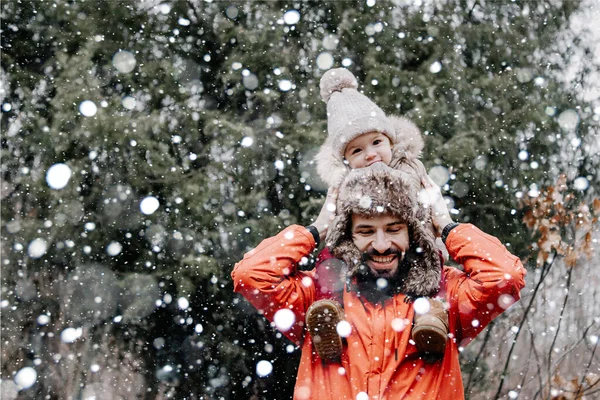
pixel 351 114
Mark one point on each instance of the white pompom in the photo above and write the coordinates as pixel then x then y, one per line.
pixel 335 80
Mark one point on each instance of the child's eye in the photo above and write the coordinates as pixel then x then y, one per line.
pixel 356 151
pixel 377 141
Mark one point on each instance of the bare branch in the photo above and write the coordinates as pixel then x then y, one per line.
pixel 560 318
pixel 587 368
pixel 486 339
pixel 545 270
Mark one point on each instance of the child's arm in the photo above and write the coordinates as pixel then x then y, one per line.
pixel 329 275
pixel 328 269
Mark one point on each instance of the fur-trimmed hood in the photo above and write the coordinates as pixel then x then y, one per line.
pixel 380 189
pixel 407 144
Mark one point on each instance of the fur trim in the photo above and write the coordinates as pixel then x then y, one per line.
pixel 407 149
pixel 335 80
pixel 379 189
pixel 330 168
pixel 413 167
pixel 408 136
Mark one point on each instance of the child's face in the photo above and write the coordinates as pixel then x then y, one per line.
pixel 368 149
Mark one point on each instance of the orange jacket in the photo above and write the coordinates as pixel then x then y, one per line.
pixel 379 362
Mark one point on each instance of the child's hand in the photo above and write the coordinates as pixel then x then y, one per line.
pixel 432 196
pixel 327 213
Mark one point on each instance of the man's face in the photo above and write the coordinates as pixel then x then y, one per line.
pixel 383 239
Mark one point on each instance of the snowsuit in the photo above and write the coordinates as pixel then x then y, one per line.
pixel 379 362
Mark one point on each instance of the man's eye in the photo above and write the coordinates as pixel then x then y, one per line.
pixel 363 233
pixel 395 228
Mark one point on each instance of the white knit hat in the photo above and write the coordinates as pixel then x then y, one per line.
pixel 350 113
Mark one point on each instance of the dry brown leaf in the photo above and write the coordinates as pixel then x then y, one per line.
pixel 529 219
pixel 596 205
pixel 561 182
pixel 571 257
pixel 552 240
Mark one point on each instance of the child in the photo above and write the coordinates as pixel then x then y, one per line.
pixel 360 134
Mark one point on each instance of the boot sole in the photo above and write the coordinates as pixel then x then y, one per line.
pixel 322 318
pixel 430 339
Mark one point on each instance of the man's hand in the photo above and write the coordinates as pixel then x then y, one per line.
pixel 432 196
pixel 327 213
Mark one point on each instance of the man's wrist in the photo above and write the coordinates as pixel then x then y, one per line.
pixel 447 229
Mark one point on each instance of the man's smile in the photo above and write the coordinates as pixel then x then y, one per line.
pixel 383 265
pixel 383 260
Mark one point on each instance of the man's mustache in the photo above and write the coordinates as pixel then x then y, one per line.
pixel 391 251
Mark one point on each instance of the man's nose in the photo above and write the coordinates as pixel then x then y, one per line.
pixel 381 243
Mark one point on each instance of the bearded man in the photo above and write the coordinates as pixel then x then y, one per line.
pixel 379 232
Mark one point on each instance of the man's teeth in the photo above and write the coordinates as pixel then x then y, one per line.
pixel 383 259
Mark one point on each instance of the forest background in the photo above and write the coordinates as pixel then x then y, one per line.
pixel 147 145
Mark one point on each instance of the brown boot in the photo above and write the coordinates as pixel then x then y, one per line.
pixel 430 330
pixel 322 318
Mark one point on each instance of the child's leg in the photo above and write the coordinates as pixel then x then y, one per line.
pixel 430 327
pixel 329 279
pixel 326 312
pixel 322 319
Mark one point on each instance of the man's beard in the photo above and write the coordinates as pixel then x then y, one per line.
pixel 370 253
pixel 375 287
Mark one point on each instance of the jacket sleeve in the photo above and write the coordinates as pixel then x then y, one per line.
pixel 268 277
pixel 490 283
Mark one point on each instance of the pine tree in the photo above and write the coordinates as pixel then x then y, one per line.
pixel 147 146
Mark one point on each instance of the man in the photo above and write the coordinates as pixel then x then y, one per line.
pixel 377 232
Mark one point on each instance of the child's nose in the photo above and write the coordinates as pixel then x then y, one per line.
pixel 370 153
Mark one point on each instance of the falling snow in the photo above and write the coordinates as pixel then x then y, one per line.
pixel 58 176
pixel 124 61
pixel 148 147
pixel 264 368
pixel 25 378
pixel 88 108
